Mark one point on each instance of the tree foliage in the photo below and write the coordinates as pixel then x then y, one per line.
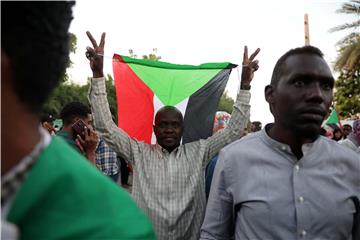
pixel 347 95
pixel 226 103
pixel 347 86
pixel 151 56
pixel 68 91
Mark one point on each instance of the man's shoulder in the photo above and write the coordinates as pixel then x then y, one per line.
pixel 244 143
pixel 339 150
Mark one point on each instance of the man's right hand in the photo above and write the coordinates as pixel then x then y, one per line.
pixel 96 55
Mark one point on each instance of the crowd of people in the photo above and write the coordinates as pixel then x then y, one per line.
pixel 281 181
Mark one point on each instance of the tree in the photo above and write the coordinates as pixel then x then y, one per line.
pixel 347 86
pixel 226 103
pixel 73 47
pixel 66 91
pixel 347 95
pixel 151 56
pixel 111 94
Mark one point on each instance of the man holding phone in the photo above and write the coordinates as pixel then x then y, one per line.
pixel 77 129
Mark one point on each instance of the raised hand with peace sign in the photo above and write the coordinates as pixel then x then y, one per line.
pixel 96 55
pixel 249 66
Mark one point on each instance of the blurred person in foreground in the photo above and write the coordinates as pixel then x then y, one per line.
pixel 48 190
pixel 287 181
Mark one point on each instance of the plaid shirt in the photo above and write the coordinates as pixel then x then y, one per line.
pixel 12 180
pixel 169 187
pixel 106 159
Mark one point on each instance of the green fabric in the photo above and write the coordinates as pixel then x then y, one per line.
pixel 333 118
pixel 172 83
pixel 166 65
pixel 172 86
pixel 64 197
pixel 68 138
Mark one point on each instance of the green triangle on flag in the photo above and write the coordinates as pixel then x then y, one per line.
pixel 333 118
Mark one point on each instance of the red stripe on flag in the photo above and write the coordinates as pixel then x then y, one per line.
pixel 134 102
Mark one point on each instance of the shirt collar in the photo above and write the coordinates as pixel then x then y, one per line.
pixel 282 146
pixel 163 150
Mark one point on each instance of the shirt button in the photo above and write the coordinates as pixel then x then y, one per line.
pixel 297 168
pixel 283 148
pixel 303 233
pixel 301 199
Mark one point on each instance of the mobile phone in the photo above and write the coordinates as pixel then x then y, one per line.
pixel 79 128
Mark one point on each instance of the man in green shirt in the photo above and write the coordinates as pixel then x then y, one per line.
pixel 86 142
pixel 48 190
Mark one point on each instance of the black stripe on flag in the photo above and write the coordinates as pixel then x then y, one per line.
pixel 201 108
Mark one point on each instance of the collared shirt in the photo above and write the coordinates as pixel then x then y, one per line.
pixel 12 180
pixel 261 190
pixel 169 187
pixel 106 159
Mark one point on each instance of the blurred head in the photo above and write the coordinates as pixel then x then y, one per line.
pixel 168 127
pixel 355 134
pixel 300 92
pixel 45 117
pixel 221 120
pixel 347 129
pixel 74 111
pixel 47 121
pixel 34 48
pixel 255 126
pixel 337 134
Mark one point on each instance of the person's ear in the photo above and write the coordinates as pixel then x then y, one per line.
pixel 269 94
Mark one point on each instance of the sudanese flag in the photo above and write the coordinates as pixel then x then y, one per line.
pixel 144 86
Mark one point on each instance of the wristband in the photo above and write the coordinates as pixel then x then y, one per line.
pixel 245 87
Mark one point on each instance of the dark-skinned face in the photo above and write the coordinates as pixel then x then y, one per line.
pixel 347 130
pixel 168 128
pixel 303 95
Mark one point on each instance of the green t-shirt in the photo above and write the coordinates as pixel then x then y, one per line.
pixel 65 197
pixel 68 138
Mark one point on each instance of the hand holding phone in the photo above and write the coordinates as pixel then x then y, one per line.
pixel 79 128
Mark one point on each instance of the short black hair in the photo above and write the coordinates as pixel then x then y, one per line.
pixel 35 37
pixel 73 110
pixel 278 69
pixel 257 125
pixel 169 108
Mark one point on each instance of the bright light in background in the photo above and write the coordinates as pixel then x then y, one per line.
pixel 195 32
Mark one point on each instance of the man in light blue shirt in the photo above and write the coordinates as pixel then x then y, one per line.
pixel 287 181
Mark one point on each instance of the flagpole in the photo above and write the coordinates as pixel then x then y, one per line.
pixel 306 30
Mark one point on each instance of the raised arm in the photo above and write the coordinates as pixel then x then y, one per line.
pixel 115 137
pixel 241 111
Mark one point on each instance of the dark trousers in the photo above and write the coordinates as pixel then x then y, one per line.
pixel 124 171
